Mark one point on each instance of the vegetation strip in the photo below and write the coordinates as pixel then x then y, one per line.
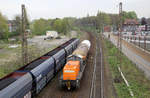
pixel 137 80
pixel 15 62
pixel 125 80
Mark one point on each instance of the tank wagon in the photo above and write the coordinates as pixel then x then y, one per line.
pixel 29 80
pixel 74 68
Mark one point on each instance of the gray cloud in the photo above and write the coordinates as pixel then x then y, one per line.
pixel 75 8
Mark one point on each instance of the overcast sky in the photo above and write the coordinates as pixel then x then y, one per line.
pixel 74 8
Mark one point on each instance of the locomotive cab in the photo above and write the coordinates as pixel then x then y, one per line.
pixel 70 74
pixel 71 70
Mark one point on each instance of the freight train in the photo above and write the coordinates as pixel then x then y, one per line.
pixel 74 68
pixel 29 80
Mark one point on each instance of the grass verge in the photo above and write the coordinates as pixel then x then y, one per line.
pixel 136 78
pixel 16 60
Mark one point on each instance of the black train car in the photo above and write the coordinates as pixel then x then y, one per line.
pixel 19 88
pixel 38 73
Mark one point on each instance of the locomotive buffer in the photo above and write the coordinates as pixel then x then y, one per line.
pixel 74 68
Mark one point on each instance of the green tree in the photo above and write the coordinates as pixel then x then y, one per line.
pixel 103 19
pixel 57 25
pixel 40 26
pixel 62 25
pixel 132 15
pixel 17 22
pixel 129 15
pixel 66 26
pixel 3 27
pixel 114 20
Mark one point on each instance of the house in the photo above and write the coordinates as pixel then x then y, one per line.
pixel 12 26
pixel 130 25
pixel 107 28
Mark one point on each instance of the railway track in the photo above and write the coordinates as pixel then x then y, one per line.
pixel 91 85
pixel 97 86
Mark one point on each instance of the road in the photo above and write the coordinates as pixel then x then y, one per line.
pixel 41 43
pixel 136 55
pixel 12 54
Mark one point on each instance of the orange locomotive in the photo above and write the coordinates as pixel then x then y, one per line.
pixel 74 68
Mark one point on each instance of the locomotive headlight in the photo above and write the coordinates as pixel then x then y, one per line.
pixel 70 71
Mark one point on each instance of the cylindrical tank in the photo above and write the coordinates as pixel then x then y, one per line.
pixel 82 49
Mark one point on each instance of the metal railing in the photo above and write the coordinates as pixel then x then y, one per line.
pixel 138 40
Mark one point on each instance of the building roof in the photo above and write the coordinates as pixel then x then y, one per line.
pixel 131 22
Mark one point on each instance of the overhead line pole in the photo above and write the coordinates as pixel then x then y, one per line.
pixel 120 26
pixel 119 43
pixel 24 37
pixel 120 47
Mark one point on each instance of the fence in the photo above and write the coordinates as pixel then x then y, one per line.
pixel 138 40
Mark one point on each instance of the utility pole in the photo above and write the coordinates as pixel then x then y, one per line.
pixel 119 44
pixel 120 27
pixel 24 37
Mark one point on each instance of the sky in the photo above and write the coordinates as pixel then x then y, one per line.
pixel 71 8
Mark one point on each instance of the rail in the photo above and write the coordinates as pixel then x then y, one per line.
pixel 102 84
pixel 93 87
pixel 92 93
